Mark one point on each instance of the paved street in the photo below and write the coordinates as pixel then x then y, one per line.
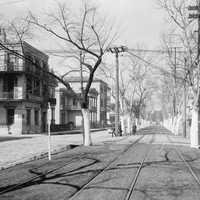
pixel 150 165
pixel 23 148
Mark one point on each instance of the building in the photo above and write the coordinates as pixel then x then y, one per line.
pixel 25 89
pixel 102 99
pixel 68 108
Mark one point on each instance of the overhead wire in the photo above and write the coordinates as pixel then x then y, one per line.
pixel 11 2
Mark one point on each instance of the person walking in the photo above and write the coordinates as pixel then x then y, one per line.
pixel 134 129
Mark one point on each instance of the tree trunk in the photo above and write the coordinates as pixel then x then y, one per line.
pixel 129 127
pixel 177 124
pixel 194 135
pixel 87 141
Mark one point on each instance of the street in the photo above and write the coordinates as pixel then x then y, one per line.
pixel 150 165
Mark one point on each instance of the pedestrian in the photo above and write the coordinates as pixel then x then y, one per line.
pixel 134 129
pixel 120 129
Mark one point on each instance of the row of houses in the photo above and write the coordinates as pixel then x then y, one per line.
pixel 26 87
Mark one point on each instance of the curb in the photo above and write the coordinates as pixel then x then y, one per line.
pixel 37 156
pixel 75 132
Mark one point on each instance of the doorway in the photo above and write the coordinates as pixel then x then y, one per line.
pixel 44 121
pixel 10 116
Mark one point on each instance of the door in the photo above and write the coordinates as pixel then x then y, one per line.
pixel 10 116
pixel 44 122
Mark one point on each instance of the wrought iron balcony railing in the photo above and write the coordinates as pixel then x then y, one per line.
pixel 11 68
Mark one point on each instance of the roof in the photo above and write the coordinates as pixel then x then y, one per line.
pixel 67 91
pixel 27 48
pixel 85 79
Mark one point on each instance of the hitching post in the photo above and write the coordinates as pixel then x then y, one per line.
pixel 49 132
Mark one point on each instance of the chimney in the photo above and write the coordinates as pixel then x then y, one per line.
pixel 2 35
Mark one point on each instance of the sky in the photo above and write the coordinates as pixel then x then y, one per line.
pixel 138 21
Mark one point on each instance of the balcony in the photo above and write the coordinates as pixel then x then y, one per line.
pixel 34 97
pixel 71 107
pixel 11 68
pixel 31 69
pixel 92 108
pixel 17 94
pixel 12 95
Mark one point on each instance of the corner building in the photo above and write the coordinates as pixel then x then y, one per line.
pixel 24 90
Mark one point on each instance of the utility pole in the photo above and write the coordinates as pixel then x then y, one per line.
pixel 82 89
pixel 116 51
pixel 81 73
pixel 174 98
pixel 184 99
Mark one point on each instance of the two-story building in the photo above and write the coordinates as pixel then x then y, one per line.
pixel 68 108
pixel 102 99
pixel 25 89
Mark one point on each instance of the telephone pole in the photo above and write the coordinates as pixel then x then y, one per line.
pixel 116 51
pixel 175 85
pixel 184 99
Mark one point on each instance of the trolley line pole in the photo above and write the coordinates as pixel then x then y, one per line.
pixel 116 51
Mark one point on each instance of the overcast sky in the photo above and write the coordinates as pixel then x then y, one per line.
pixel 139 21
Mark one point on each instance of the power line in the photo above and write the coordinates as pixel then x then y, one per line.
pixel 11 2
pixel 158 51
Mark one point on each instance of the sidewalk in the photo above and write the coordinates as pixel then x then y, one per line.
pixel 32 147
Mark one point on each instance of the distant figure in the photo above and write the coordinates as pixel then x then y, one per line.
pixel 120 129
pixel 134 129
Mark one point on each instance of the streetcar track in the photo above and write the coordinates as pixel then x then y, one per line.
pixel 40 175
pixel 180 155
pixel 141 165
pixel 103 170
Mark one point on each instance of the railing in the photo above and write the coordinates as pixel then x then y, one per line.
pixel 11 95
pixel 72 107
pixel 7 95
pixel 32 69
pixel 14 95
pixel 34 97
pixel 11 68
pixel 92 107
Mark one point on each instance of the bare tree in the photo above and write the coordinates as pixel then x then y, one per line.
pixel 87 35
pixel 181 25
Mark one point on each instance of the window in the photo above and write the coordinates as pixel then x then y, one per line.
pixel 28 117
pixel 36 117
pixel 12 60
pixel 37 87
pixel 62 100
pixel 29 86
pixel 102 103
pixel 9 82
pixel 2 58
pixel 62 117
pixel 74 102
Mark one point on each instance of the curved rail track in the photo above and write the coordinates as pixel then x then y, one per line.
pixel 38 175
pixel 134 180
